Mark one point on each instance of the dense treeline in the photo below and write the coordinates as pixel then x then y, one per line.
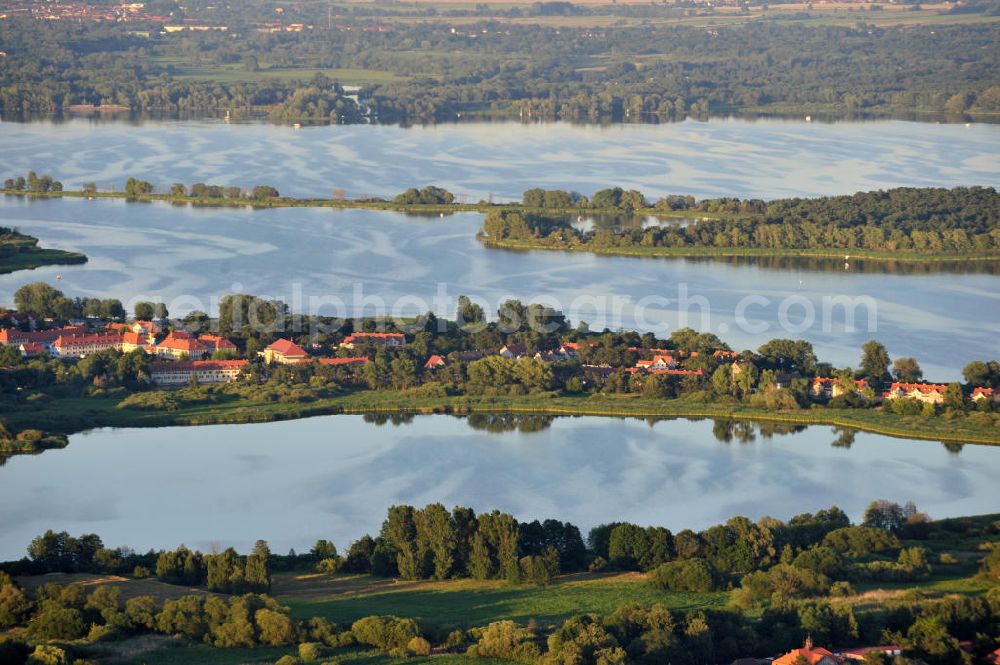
pixel 956 221
pixel 646 73
pixel 793 576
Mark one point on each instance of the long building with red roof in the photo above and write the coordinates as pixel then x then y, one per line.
pixel 205 371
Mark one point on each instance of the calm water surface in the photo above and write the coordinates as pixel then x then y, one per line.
pixel 735 157
pixel 334 477
pixel 382 261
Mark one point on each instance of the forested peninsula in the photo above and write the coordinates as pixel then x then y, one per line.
pixel 21 252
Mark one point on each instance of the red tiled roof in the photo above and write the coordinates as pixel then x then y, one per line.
pixel 287 348
pixel 809 652
pixel 32 348
pixel 343 361
pixel 435 361
pixel 985 392
pixel 350 339
pixel 110 339
pixel 925 388
pixel 195 365
pixel 216 341
pixel 133 338
pixel 179 340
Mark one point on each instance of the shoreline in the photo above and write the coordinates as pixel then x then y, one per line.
pixel 76 415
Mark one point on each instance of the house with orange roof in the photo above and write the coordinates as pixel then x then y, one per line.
pixel 179 345
pixel 993 657
pixel 376 338
pixel 932 393
pixel 205 371
pixel 16 337
pixel 812 654
pixel 722 354
pixel 831 387
pixel 80 346
pixel 216 343
pixel 435 361
pixel 979 394
pixel 284 351
pixel 132 341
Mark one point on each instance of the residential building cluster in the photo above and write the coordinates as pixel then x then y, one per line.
pixel 180 354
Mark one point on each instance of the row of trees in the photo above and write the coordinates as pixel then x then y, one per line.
pixel 33 184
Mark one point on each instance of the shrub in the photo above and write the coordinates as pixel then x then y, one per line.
pixel 506 639
pixel 695 575
pixel 385 633
pixel 45 654
pixel 57 623
pixel 947 559
pixel 310 651
pixel 418 646
pixel 287 660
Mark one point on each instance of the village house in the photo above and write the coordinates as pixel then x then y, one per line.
pixel 16 337
pixel 204 371
pixel 932 393
pixel 180 345
pixel 80 346
pixel 284 351
pixel 133 341
pixel 513 351
pixel 830 387
pixel 726 356
pixel 216 343
pixel 980 394
pixel 435 362
pixel 31 349
pixel 378 339
pixel 468 356
pixel 568 350
pixel 657 362
pixel 811 654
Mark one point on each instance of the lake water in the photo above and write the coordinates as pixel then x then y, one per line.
pixel 386 262
pixel 333 477
pixel 723 157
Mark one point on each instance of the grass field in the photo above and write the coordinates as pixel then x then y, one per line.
pixel 465 603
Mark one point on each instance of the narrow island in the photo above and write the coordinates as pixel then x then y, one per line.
pixel 83 364
pixel 901 225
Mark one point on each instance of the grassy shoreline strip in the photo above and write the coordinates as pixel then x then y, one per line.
pixel 74 415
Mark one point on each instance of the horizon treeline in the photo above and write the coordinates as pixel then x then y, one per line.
pixel 435 71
